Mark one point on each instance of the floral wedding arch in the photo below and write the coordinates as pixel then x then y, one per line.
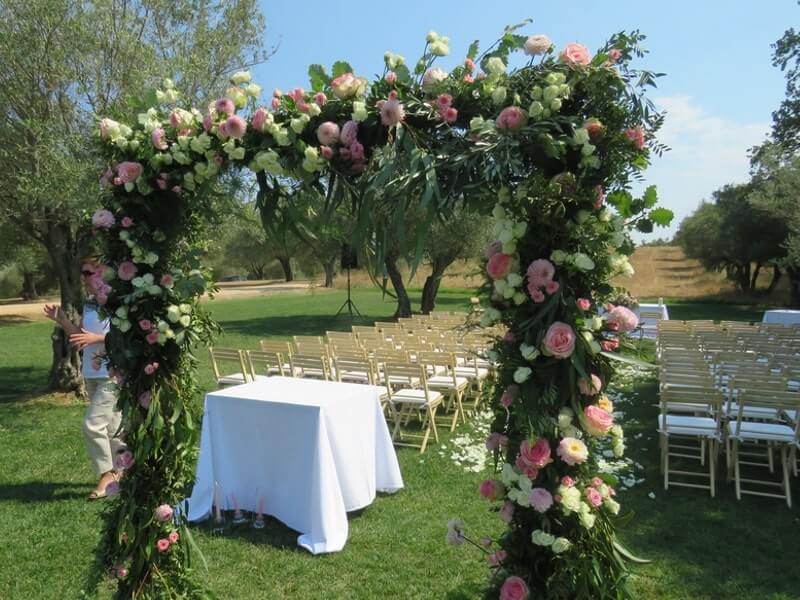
pixel 549 149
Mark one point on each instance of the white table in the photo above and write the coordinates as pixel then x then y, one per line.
pixel 313 449
pixel 783 316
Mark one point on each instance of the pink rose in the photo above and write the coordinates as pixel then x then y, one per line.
pixel 159 139
pixel 450 115
pixel 276 103
pixel 348 86
pixel 129 171
pixel 583 303
pixel 609 345
pixel 493 490
pixel 514 588
pixel 144 399
pixel 509 395
pixel 145 324
pixel 126 222
pixel 277 93
pixel 127 270
pixel 444 101
pixel 534 457
pixel 537 44
pixel 235 126
pixel 512 118
pixel 173 537
pixel 551 287
pixel 225 105
pixel 162 545
pixel 392 111
pixel 356 151
pixel 152 337
pixel 208 122
pixel 594 497
pixel 540 499
pixel 635 136
pixel 499 265
pixel 260 119
pixel 390 77
pixel 163 513
pixel 328 133
pixel 567 481
pixel 469 64
pixel 594 128
pixel 540 272
pixel 320 99
pixel 614 54
pixel 326 152
pixel 103 219
pixel 597 482
pixel 598 422
pixel 559 341
pixel 590 388
pixel 575 54
pixel 349 133
pixel 493 248
pixel 622 319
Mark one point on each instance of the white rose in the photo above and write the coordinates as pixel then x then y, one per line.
pixel 528 352
pixel 522 374
pixel 561 544
pixel 173 313
pixel 253 90
pixel 586 517
pixel 240 77
pixel 125 326
pixel 186 309
pixel 612 506
pixel 185 320
pixel 508 475
pixel 359 111
pixel 432 77
pixel 583 262
pixel 540 538
pixel 565 416
pixel 570 498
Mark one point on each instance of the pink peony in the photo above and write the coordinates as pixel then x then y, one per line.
pixel 597 421
pixel 540 499
pixel 349 133
pixel 126 222
pixel 126 271
pixel 392 111
pixel 235 126
pixel 622 319
pixel 103 219
pixel 162 545
pixel 567 481
pixel 635 136
pixel 575 54
pixel 499 265
pixel 512 118
pixel 390 77
pixel 320 99
pixel 173 537
pixel 509 395
pixel 144 399
pixel 514 588
pixel 163 513
pixel 348 86
pixel 594 497
pixel 129 171
pixel 145 324
pixel 572 451
pixel 537 44
pixel 559 341
pixel 590 388
pixel 551 287
pixel 225 105
pixel 159 139
pixel 492 489
pixel 583 303
pixel 540 272
pixel 260 119
pixel 328 133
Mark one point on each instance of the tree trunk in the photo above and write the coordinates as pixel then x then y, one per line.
pixel 257 269
pixel 329 268
pixel 755 276
pixel 776 277
pixel 794 287
pixel 286 265
pixel 431 287
pixel 403 301
pixel 29 286
pixel 65 255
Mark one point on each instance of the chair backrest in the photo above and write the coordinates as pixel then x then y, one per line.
pixel 265 363
pixel 284 347
pixel 228 356
pixel 404 375
pixel 310 365
pixel 344 365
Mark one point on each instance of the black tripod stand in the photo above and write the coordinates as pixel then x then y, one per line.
pixel 348 304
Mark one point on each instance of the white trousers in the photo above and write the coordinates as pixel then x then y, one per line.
pixel 100 425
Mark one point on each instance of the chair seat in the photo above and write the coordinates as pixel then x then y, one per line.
pixel 304 372
pixel 408 396
pixel 470 372
pixel 680 425
pixel 400 380
pixel 232 379
pixel 360 376
pixel 446 382
pixel 752 430
pixel 688 407
pixel 754 412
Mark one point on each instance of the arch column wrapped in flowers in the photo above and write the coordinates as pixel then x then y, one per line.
pixel 549 149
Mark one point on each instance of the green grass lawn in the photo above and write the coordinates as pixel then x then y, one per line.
pixel 700 547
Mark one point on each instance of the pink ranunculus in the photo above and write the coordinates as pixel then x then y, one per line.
pixel 145 324
pixel 276 103
pixel 173 537
pixel 609 345
pixel 559 341
pixel 575 54
pixel 597 421
pixel 540 499
pixel 493 248
pixel 162 545
pixel 509 395
pixel 127 270
pixel 536 294
pixel 349 133
pixel 512 118
pixel 163 513
pixel 348 86
pixel 129 171
pixel 567 481
pixel 126 222
pixel 152 337
pixel 225 105
pixel 614 54
pixel 492 489
pixel 496 558
pixel 537 44
pixel 599 197
pixel 444 101
pixel 235 126
pixel 622 319
pixel 540 272
pixel 594 497
pixel 583 303
pixel 572 451
pixel 590 387
pixel 260 118
pixel 507 511
pixel 499 265
pixel 326 152
pixel 151 368
pixel 392 111
pixel 159 139
pixel 103 219
pixel 551 287
pixel 145 398
pixel 635 136
pixel 537 455
pixel 450 115
pixel 514 588
pixel 390 77
pixel 328 133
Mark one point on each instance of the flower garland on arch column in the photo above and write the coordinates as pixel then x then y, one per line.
pixel 549 149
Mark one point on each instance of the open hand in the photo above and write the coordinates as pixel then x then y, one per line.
pixel 53 312
pixel 85 338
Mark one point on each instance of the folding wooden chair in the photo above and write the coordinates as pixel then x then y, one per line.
pixel 440 368
pixel 310 366
pixel 265 364
pixel 406 386
pixel 354 369
pixel 229 356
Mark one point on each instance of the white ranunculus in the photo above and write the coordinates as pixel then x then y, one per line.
pixel 185 320
pixel 124 326
pixel 528 352
pixel 565 416
pixel 541 538
pixel 495 65
pixel 570 498
pixel 585 516
pixel 522 374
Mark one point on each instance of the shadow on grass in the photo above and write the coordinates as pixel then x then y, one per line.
pixel 6 320
pixel 18 384
pixel 287 326
pixel 44 491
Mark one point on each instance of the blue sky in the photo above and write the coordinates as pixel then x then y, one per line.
pixel 719 92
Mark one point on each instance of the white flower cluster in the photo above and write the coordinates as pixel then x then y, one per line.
pixel 393 60
pixel 519 486
pixel 547 101
pixel 579 260
pixel 509 231
pixel 580 139
pixel 556 544
pixel 439 44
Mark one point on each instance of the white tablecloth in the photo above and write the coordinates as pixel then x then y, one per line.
pixel 784 316
pixel 313 449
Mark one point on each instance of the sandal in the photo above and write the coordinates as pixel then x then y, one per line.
pixel 96 495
